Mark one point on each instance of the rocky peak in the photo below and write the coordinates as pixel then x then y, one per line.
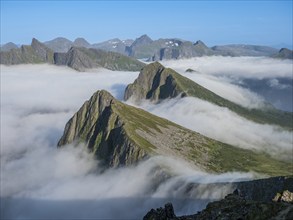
pixel 81 42
pixel 43 52
pixel 154 82
pixel 86 116
pixel 142 40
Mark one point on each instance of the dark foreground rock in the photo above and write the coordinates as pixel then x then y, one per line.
pixel 231 207
pixel 270 198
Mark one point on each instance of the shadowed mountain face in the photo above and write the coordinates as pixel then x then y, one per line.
pixel 119 134
pixel 35 53
pixel 156 83
pixel 82 58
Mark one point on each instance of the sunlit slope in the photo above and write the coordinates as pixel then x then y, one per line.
pixel 119 134
pixel 155 82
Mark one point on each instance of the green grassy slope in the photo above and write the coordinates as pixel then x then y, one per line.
pixel 110 127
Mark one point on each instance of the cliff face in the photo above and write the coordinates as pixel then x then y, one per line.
pixel 156 83
pixel 119 134
pixel 99 126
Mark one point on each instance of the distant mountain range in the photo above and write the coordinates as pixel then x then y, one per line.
pixel 171 48
pixel 78 58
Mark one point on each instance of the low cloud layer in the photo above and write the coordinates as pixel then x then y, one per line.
pixel 40 181
pixel 242 67
pixel 223 125
pixel 248 81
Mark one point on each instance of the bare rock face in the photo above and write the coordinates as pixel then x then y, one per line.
pixel 155 82
pixel 161 213
pixel 98 125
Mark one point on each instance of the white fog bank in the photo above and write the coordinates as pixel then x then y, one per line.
pixel 40 181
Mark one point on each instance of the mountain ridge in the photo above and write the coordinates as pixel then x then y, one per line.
pixel 156 82
pixel 119 134
pixel 78 58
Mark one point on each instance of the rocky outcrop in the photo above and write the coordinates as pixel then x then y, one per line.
pixel 119 134
pixel 35 53
pixel 100 127
pixel 75 59
pixel 156 83
pixel 248 204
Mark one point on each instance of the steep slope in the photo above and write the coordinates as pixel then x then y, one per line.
pixel 119 134
pixel 82 58
pixel 35 53
pixel 155 82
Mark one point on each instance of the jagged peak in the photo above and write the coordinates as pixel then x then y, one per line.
pixel 104 98
pixel 144 36
pixel 37 45
pixel 200 43
pixel 35 41
pixel 144 39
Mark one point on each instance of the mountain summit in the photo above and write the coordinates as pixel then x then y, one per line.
pixel 156 83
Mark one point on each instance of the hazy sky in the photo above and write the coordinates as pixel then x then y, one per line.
pixel 214 22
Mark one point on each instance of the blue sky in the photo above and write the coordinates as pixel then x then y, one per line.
pixel 214 22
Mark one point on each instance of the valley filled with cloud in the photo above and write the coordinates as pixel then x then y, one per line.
pixel 38 179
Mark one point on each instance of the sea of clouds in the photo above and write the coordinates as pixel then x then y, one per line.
pixel 38 180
